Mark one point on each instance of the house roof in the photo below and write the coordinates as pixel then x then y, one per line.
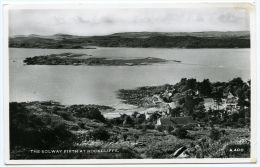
pixel 166 121
pixel 176 120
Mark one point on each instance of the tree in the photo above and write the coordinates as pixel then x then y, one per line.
pixel 236 82
pixel 205 87
pixel 181 101
pixel 141 119
pixel 240 93
pixel 128 121
pixel 199 111
pixel 175 112
pixel 135 113
pixel 217 92
pixel 189 105
pixel 154 117
pixel 191 84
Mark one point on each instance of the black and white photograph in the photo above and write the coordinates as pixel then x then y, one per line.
pixel 140 82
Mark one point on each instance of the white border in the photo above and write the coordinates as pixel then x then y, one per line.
pixel 129 161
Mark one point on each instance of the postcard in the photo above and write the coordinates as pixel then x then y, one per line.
pixel 130 83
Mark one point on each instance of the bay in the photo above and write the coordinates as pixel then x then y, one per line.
pixel 98 84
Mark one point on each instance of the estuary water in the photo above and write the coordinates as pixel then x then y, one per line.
pixel 98 84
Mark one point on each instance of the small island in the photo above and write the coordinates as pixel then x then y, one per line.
pixel 85 59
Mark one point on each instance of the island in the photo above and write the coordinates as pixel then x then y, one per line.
pixel 84 59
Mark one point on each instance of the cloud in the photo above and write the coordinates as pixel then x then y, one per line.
pixel 59 20
pixel 79 19
pixel 107 21
pixel 229 18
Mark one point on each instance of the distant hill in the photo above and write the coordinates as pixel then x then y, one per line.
pixel 212 39
pixel 213 34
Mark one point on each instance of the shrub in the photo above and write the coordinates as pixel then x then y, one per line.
pixel 214 134
pixel 101 134
pixel 81 125
pixel 181 132
pixel 241 121
pixel 45 131
pixel 91 113
pixel 159 128
pixel 65 115
pixel 150 125
pixel 144 128
pixel 169 129
pixel 138 126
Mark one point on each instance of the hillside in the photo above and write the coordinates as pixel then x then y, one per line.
pixel 240 39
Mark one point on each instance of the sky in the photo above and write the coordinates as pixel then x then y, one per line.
pixel 103 21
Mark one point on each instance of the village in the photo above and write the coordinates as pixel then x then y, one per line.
pixel 162 116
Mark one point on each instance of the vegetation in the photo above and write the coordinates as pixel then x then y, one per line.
pixel 141 39
pixel 100 134
pixel 29 130
pixel 81 59
pixel 215 134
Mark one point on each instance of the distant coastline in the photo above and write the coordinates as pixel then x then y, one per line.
pixel 192 40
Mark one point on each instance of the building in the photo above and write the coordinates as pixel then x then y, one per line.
pixel 149 112
pixel 231 104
